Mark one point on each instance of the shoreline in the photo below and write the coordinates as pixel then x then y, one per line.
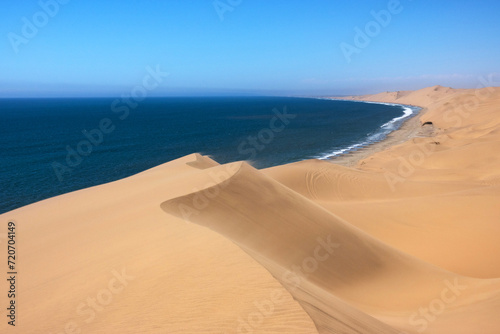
pixel 405 131
pixel 325 246
pixel 409 129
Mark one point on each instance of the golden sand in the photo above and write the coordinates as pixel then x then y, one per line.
pixel 404 241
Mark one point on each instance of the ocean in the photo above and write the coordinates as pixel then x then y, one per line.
pixel 53 146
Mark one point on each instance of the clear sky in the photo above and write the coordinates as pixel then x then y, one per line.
pixel 96 48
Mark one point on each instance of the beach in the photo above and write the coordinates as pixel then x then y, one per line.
pixel 411 128
pixel 399 237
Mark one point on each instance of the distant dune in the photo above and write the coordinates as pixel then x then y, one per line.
pixel 405 241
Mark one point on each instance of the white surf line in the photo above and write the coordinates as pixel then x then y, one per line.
pixel 407 112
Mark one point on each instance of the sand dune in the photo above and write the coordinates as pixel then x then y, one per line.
pixel 431 220
pixel 406 241
pixel 178 277
pixel 284 231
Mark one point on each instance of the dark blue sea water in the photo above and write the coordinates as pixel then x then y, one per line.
pixel 52 146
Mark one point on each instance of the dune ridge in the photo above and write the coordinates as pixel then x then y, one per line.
pixel 281 228
pixel 405 241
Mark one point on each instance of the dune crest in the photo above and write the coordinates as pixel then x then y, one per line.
pixel 323 260
pixel 405 241
pixel 107 259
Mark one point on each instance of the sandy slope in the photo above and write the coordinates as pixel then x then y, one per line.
pixel 405 242
pixel 185 278
pixel 324 260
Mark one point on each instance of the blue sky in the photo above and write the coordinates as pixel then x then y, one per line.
pixel 100 48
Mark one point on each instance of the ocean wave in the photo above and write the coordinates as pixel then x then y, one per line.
pixel 377 136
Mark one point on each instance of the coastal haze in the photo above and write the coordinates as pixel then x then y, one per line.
pixel 250 167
